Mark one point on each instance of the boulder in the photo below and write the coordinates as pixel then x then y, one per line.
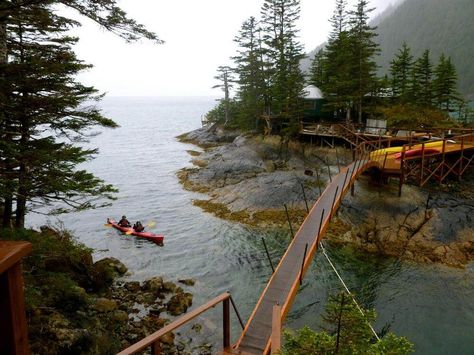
pixel 154 284
pixel 168 286
pixel 187 282
pixel 105 305
pixel 120 316
pixel 179 303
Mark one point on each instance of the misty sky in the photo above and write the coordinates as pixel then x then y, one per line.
pixel 199 37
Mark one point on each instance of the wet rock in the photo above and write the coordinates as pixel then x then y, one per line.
pixel 167 339
pixel 197 327
pixel 133 286
pixel 154 284
pixel 120 316
pixel 105 305
pixel 168 286
pixel 179 303
pixel 188 282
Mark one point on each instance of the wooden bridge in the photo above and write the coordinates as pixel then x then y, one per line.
pixel 416 162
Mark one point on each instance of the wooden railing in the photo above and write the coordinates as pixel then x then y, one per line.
pixel 153 340
pixel 13 327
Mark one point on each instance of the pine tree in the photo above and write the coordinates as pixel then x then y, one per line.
pixel 283 54
pixel 43 109
pixel 400 71
pixel 421 86
pixel 336 64
pixel 250 70
pixel 364 47
pixel 444 85
pixel 226 79
pixel 317 72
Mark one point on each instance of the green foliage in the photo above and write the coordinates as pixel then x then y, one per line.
pixel 400 71
pixel 347 332
pixel 218 113
pixel 348 66
pixel 253 92
pixel 305 341
pixel 446 96
pixel 45 111
pixel 416 117
pixel 53 269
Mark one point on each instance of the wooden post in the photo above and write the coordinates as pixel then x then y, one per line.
pixel 422 163
pixel 443 162
pixel 156 348
pixel 462 159
pixel 402 172
pixel 276 330
pixel 226 322
pixel 13 327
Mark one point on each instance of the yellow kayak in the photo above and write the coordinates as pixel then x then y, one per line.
pixel 393 150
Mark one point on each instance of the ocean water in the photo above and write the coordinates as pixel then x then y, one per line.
pixel 433 306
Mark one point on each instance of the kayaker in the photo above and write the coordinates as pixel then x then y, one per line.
pixel 124 222
pixel 138 227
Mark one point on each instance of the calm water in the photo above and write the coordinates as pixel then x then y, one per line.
pixel 432 306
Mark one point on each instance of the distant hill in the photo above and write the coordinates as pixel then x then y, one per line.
pixel 439 25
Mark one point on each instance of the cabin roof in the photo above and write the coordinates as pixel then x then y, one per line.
pixel 312 92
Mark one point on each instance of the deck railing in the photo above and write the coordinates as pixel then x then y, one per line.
pixel 13 327
pixel 153 340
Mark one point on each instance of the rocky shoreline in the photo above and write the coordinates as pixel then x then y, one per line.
pixel 250 178
pixel 77 306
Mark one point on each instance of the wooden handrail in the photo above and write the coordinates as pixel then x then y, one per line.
pixel 13 327
pixel 153 339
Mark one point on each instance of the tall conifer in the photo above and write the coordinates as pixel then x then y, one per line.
pixel 283 53
pixel 364 48
pixel 444 85
pixel 400 71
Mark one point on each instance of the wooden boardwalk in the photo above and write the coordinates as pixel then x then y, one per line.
pixel 284 283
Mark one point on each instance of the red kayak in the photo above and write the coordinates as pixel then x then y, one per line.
pixel 416 152
pixel 157 238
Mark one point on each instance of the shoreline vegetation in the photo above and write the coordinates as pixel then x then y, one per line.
pixel 77 306
pixel 249 178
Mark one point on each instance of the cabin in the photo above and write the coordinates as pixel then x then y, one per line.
pixel 313 105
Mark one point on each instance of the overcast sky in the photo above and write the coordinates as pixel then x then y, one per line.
pixel 199 37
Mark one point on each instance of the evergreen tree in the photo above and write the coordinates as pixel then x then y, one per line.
pixel 347 331
pixel 283 54
pixel 43 109
pixel 400 71
pixel 225 77
pixel 250 70
pixel 444 85
pixel 421 86
pixel 364 49
pixel 317 72
pixel 336 64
